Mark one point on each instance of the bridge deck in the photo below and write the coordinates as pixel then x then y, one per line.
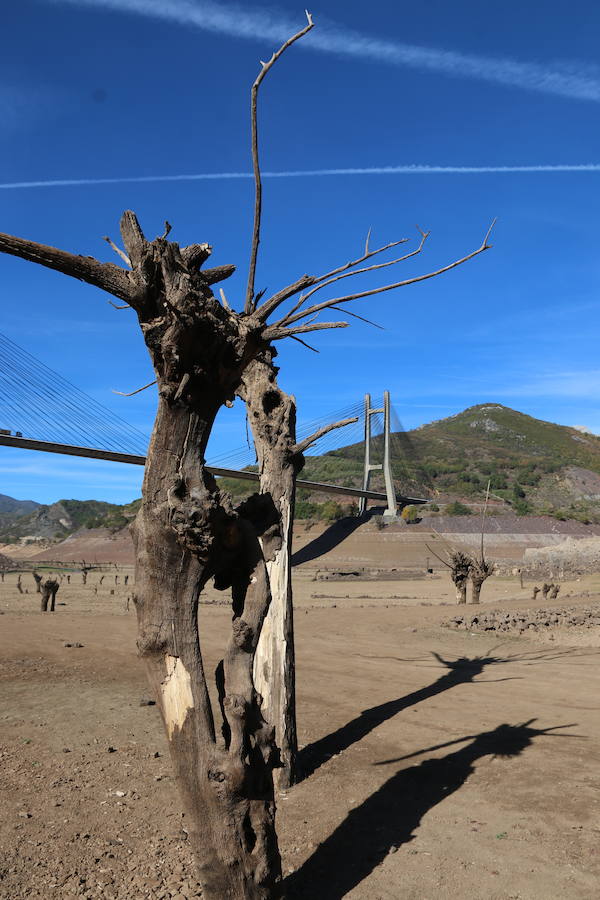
pixel 9 440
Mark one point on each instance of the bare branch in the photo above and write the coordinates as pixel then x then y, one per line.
pixel 275 333
pixel 354 315
pixel 195 254
pixel 218 273
pixel 327 304
pixel 485 506
pixel 304 344
pixel 138 391
pixel 224 299
pixel 249 304
pixel 107 276
pixel 392 262
pixel 167 230
pixel 306 281
pixel 367 242
pixel 303 445
pixel 443 561
pixel 116 305
pixel 133 237
pixel 118 251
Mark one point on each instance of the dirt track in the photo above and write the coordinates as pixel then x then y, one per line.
pixel 422 779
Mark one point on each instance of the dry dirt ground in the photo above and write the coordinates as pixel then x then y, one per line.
pixel 438 764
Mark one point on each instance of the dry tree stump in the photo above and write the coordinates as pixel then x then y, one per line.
pixel 49 589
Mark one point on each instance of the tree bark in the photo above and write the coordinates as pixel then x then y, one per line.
pixel 49 589
pixel 272 417
pixel 461 590
pixel 476 584
pixel 184 534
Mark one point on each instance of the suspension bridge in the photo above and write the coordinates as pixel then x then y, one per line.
pixel 42 411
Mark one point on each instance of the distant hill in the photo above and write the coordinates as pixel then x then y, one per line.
pixel 10 506
pixel 11 509
pixel 60 519
pixel 534 467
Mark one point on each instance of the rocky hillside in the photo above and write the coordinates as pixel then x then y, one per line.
pixel 64 517
pixel 11 509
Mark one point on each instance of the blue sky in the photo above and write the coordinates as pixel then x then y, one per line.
pixel 98 90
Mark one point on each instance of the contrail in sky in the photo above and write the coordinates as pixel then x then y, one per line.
pixel 574 80
pixel 309 173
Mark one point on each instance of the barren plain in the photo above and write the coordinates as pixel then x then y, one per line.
pixel 438 763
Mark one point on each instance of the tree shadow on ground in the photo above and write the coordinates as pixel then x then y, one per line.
pixel 389 817
pixel 329 539
pixel 462 670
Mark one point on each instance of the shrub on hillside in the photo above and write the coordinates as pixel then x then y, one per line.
pixel 456 508
pixel 521 507
pixel 331 511
pixel 307 510
pixel 410 514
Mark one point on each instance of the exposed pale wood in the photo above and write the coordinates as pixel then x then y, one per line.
pixel 272 417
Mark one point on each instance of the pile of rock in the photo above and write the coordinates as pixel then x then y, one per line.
pixel 573 556
pixel 528 620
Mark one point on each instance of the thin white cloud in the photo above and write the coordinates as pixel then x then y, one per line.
pixel 581 384
pixel 310 173
pixel 575 81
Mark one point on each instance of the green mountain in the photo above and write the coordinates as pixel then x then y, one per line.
pixel 532 466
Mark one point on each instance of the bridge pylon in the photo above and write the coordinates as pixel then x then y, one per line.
pixel 391 510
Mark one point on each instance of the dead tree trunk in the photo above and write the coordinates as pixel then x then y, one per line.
pixel 49 589
pixel 481 569
pixel 535 592
pixel 545 589
pixel 554 591
pixel 272 417
pixel 37 578
pixel 183 535
pixel 19 585
pixel 460 567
